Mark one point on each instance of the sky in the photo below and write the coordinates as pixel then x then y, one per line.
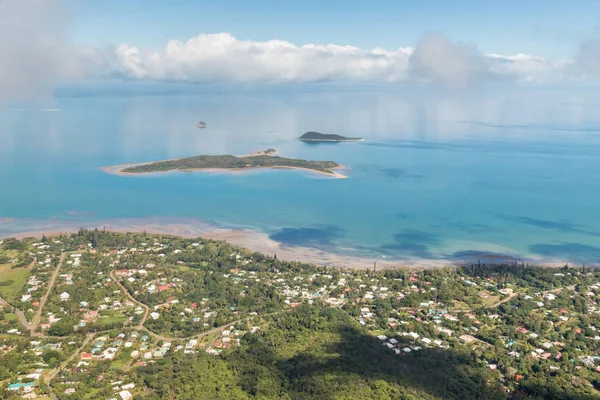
pixel 544 28
pixel 459 45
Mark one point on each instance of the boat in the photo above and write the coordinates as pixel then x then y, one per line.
pixel 201 124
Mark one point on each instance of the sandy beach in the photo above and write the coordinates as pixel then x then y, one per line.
pixel 250 239
pixel 118 170
pixel 253 240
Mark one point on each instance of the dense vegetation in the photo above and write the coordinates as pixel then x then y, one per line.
pixel 295 331
pixel 233 162
pixel 326 137
pixel 317 353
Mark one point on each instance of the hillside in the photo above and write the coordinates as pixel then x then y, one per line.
pixel 161 317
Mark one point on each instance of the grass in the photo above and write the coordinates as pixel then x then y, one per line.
pixel 112 318
pixel 14 279
pixel 7 255
pixel 10 316
pixel 488 301
pixel 459 305
pixel 91 394
pixel 119 364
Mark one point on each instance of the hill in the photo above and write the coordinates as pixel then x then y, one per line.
pixel 263 159
pixel 326 137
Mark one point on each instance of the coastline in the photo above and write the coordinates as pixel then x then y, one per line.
pixel 255 241
pixel 118 170
pixel 332 140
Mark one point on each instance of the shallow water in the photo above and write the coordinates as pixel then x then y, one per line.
pixel 438 176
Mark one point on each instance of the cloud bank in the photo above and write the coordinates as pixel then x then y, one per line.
pixel 223 58
pixel 37 55
pixel 34 50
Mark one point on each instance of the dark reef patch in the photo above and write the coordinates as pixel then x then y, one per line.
pixel 319 237
pixel 556 225
pixel 412 243
pixel 576 252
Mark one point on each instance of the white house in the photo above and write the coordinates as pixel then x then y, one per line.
pixel 64 296
pixel 125 394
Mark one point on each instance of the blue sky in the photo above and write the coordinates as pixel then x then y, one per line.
pixel 546 28
pixel 450 43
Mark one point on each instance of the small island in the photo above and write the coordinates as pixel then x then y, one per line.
pixel 326 137
pixel 230 163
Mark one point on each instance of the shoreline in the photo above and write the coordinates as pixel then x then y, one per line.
pixel 118 170
pixel 332 140
pixel 255 241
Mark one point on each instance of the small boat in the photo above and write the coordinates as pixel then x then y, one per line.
pixel 201 124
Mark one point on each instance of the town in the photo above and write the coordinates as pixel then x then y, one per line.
pixel 83 316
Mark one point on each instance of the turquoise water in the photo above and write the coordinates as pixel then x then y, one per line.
pixel 511 173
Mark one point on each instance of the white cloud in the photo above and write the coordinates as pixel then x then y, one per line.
pixel 529 68
pixel 587 60
pixel 223 58
pixel 438 60
pixel 36 55
pixel 33 48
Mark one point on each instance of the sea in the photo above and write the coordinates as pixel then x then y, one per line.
pixel 502 174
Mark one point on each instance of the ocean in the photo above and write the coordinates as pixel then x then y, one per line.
pixel 500 175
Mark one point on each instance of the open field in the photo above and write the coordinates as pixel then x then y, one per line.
pixel 11 281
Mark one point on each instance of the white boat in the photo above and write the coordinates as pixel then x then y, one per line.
pixel 201 124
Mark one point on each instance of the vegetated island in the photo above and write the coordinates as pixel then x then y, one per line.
pixel 326 137
pixel 231 163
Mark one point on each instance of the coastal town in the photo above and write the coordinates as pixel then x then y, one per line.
pixel 83 316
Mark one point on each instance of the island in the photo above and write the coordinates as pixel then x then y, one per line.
pixel 230 163
pixel 326 137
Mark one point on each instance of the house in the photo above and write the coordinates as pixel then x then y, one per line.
pixel 125 395
pixel 467 338
pixel 19 385
pixel 64 296
pixel 70 390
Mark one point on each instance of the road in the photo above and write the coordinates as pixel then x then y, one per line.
pixel 557 290
pixel 52 374
pixel 20 315
pixel 38 314
pixel 130 297
pixel 506 300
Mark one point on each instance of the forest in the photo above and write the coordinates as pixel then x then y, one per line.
pixel 232 162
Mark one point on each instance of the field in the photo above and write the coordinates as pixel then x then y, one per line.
pixel 10 317
pixel 11 281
